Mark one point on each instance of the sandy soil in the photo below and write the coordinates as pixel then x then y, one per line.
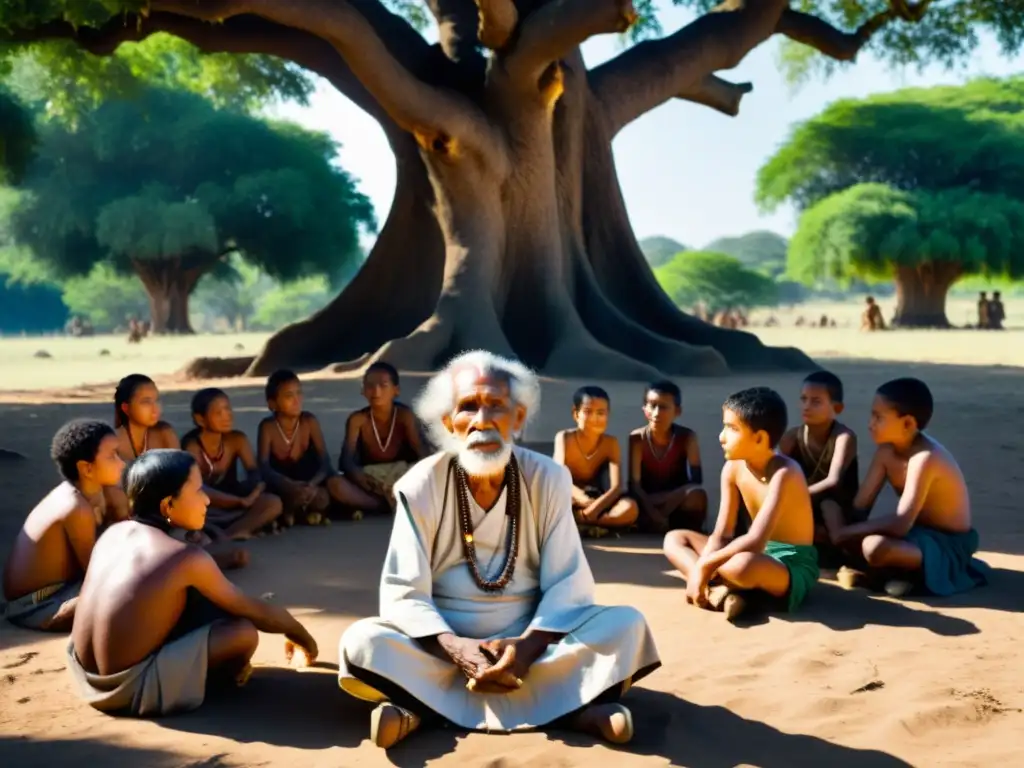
pixel 855 680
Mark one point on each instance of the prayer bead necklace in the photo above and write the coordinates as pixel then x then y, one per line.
pixel 373 423
pixel 654 453
pixel 512 509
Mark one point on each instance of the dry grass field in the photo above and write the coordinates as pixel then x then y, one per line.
pixel 855 679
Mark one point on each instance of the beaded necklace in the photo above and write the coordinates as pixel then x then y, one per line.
pixel 512 509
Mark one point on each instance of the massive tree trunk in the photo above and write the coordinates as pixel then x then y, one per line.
pixel 508 230
pixel 921 294
pixel 168 287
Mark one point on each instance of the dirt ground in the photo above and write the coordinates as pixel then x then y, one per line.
pixel 853 680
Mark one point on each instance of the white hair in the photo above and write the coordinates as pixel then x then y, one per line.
pixel 438 397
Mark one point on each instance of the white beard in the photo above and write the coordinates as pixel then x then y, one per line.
pixel 479 463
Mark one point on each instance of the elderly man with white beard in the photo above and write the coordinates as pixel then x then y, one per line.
pixel 487 615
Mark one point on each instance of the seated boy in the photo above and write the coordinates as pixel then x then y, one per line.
pixel 594 460
pixel 374 464
pixel 929 540
pixel 293 456
pixel 51 554
pixel 826 450
pixel 664 465
pixel 157 620
pixel 777 555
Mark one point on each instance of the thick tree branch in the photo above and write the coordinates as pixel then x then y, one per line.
pixel 844 46
pixel 441 119
pixel 498 19
pixel 457 30
pixel 651 73
pixel 553 30
pixel 718 94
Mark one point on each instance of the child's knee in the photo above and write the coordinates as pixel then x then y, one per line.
pixel 738 565
pixel 237 637
pixel 875 549
pixel 675 540
pixel 696 499
pixel 628 511
pixel 272 503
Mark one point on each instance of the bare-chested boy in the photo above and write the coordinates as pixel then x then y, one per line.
pixel 381 441
pixel 293 456
pixel 826 450
pixel 777 555
pixel 664 465
pixel 156 617
pixel 44 572
pixel 929 540
pixel 594 459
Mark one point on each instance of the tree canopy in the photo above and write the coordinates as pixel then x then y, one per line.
pixel 923 185
pixel 166 185
pixel 659 249
pixel 17 137
pixel 717 280
pixel 759 250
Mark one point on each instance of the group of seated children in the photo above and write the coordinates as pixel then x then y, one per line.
pixel 288 477
pixel 788 497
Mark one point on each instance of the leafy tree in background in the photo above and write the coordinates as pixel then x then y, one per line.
pixel 165 186
pixel 291 302
pixel 105 297
pixel 660 250
pixel 717 280
pixel 922 186
pixel 759 250
pixel 522 240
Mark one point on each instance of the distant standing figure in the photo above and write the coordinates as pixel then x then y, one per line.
pixel 984 315
pixel 871 319
pixel 996 313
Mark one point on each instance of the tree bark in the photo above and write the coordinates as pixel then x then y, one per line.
pixel 921 294
pixel 169 288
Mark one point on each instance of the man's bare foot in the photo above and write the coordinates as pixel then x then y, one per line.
pixel 390 724
pixel 723 599
pixel 611 722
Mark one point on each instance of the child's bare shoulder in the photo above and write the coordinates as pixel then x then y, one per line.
pixel 264 423
pixel 683 431
pixel 356 418
pixel 843 429
pixel 308 418
pixel 609 441
pixel 789 468
pixel 237 437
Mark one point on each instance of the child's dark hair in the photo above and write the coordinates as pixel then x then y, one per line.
pixel 909 397
pixel 760 408
pixel 591 391
pixel 829 381
pixel 278 379
pixel 203 399
pixel 666 387
pixel 383 367
pixel 78 440
pixel 153 477
pixel 124 393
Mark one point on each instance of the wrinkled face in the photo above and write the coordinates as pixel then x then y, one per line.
pixel 886 425
pixel 592 415
pixel 188 509
pixel 736 438
pixel 661 410
pixel 288 401
pixel 144 407
pixel 483 421
pixel 218 418
pixel 106 468
pixel 816 407
pixel 378 389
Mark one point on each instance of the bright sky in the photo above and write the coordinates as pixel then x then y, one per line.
pixel 686 171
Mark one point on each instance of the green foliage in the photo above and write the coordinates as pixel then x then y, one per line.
pixel 105 298
pixel 233 297
pixel 760 250
pixel 660 250
pixel 869 229
pixel 717 280
pixel 30 308
pixel 291 302
pixel 170 177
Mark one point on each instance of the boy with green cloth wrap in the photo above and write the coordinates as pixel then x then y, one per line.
pixel 776 556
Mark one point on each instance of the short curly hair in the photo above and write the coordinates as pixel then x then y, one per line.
pixel 78 440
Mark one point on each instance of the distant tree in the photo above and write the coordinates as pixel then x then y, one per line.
pixel 717 280
pixel 660 250
pixel 105 297
pixel 234 296
pixel 760 250
pixel 922 186
pixel 291 302
pixel 166 186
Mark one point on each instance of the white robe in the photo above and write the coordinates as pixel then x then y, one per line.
pixel 427 589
